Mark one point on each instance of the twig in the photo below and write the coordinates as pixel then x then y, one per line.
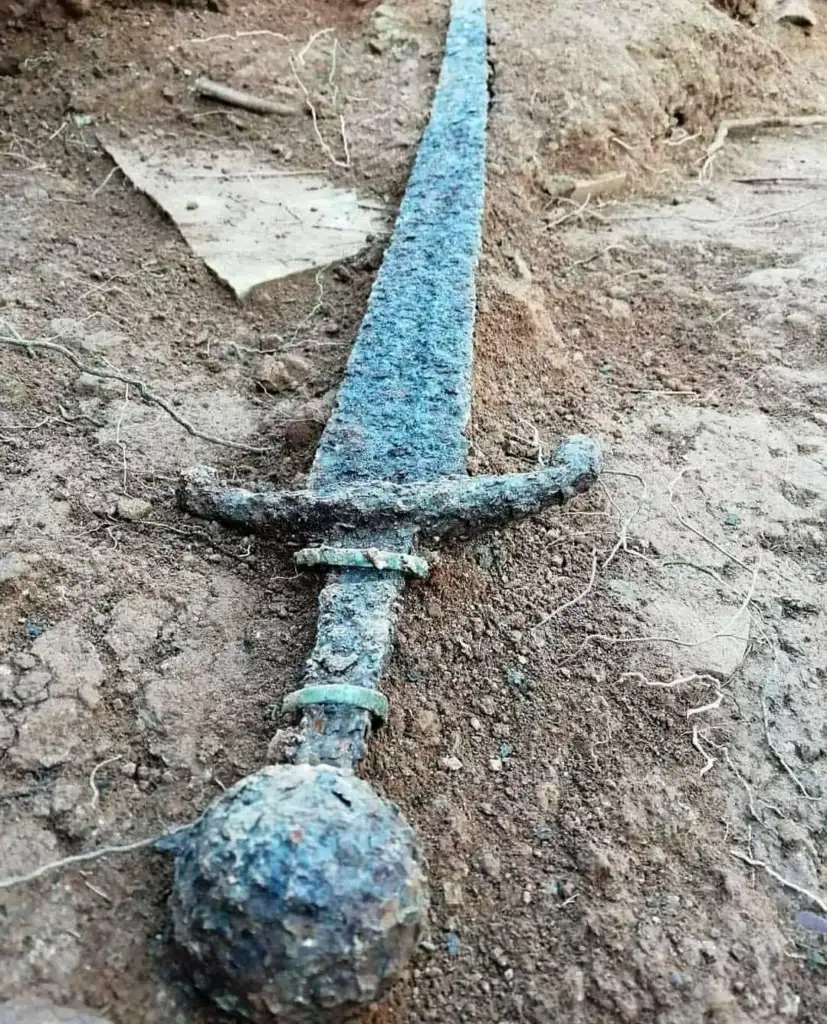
pixel 729 127
pixel 628 149
pixel 236 98
pixel 658 684
pixel 146 394
pixel 776 179
pixel 681 139
pixel 811 896
pixel 80 417
pixel 694 529
pixel 93 803
pixel 238 35
pixel 703 708
pixel 118 440
pixel 747 788
pixel 309 103
pixel 777 753
pixel 661 391
pixel 317 305
pixel 724 632
pixel 572 213
pixel 96 891
pixel 26 426
pixel 331 84
pixel 80 858
pixel 622 542
pixel 345 145
pixel 105 181
pixel 594 256
pixel 575 600
pixel 696 743
pixel 309 44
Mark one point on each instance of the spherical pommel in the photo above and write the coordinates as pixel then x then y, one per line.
pixel 299 895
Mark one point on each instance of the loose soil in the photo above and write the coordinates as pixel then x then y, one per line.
pixel 633 688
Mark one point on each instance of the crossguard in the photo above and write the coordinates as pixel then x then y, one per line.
pixel 440 506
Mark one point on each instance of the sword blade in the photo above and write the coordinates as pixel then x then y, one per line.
pixel 404 403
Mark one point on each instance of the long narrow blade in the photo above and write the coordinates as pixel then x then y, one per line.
pixel 403 406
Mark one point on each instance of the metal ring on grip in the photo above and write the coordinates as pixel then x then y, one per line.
pixel 338 693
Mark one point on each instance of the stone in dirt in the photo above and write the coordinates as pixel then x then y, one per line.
pixel 607 184
pixel 72 660
pixel 303 426
pixel 7 733
pixel 796 12
pixel 14 566
pixel 32 687
pixel 136 623
pixel 48 736
pixel 66 795
pixel 249 222
pixel 33 1010
pixel 287 372
pixel 428 728
pixel 133 509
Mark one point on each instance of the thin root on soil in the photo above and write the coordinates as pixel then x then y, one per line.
pixel 16 341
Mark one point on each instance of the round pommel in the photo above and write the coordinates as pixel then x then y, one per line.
pixel 299 895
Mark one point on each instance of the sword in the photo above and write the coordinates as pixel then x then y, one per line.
pixel 300 894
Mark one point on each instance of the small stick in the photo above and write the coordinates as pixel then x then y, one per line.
pixel 594 256
pixel 747 787
pixel 328 152
pixel 628 149
pixel 310 42
pixel 238 35
pixel 659 684
pixel 236 98
pixel 575 600
pixel 96 891
pixel 93 803
pixel 27 426
pixel 811 896
pixel 694 529
pixel 144 391
pixel 80 858
pixel 729 127
pixel 777 753
pixel 696 743
pixel 572 213
pixel 105 181
pixel 703 708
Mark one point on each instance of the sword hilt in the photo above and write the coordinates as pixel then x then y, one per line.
pixel 339 701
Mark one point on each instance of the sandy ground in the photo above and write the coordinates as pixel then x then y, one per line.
pixel 608 724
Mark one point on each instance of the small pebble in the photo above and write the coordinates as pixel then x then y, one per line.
pixel 133 509
pixel 490 865
pixel 452 894
pixel 450 764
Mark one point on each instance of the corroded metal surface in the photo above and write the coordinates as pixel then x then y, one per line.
pixel 403 406
pixel 299 895
pixel 439 506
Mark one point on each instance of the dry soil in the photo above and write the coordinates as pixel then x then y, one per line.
pixel 608 724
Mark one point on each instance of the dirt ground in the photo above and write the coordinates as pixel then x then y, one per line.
pixel 609 724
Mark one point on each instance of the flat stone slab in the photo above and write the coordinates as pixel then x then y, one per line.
pixel 249 222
